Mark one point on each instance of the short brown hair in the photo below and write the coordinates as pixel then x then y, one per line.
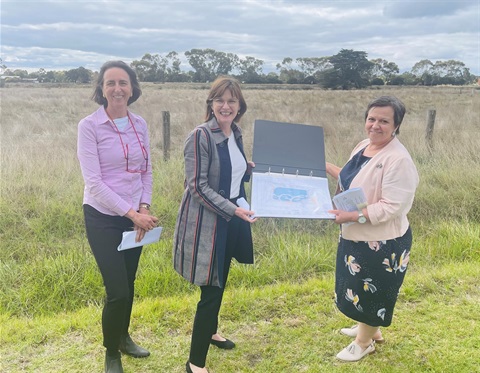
pixel 218 88
pixel 393 102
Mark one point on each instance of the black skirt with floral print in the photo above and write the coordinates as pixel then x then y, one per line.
pixel 368 278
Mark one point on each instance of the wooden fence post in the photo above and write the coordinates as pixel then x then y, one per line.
pixel 166 135
pixel 430 124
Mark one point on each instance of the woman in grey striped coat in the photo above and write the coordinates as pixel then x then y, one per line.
pixel 211 228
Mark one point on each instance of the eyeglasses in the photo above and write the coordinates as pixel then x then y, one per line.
pixel 125 148
pixel 221 102
pixel 145 156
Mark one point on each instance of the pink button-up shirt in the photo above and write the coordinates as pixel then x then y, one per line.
pixel 109 187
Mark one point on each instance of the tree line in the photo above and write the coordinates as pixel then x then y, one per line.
pixel 348 69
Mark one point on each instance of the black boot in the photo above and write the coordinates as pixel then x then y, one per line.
pixel 129 347
pixel 113 364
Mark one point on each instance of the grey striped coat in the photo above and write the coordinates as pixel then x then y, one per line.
pixel 201 227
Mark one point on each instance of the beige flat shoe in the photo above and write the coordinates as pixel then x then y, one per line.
pixel 353 352
pixel 353 331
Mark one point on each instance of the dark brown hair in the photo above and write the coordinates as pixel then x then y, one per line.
pixel 397 106
pixel 98 93
pixel 219 86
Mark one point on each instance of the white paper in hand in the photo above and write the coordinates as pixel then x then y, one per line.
pixel 128 241
pixel 242 202
pixel 350 200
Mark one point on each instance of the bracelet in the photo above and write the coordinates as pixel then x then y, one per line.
pixel 145 206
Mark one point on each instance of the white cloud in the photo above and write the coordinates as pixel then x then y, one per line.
pixel 55 34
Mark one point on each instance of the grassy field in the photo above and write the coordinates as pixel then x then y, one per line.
pixel 280 311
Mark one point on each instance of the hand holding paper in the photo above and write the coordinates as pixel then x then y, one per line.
pixel 128 241
pixel 350 200
pixel 346 202
pixel 242 202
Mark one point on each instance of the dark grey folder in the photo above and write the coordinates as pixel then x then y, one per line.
pixel 288 148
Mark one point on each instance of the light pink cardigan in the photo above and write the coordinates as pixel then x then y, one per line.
pixel 389 181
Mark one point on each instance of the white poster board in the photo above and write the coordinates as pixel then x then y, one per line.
pixel 290 196
pixel 289 179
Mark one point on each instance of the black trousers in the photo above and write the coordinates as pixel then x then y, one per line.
pixel 118 269
pixel 206 317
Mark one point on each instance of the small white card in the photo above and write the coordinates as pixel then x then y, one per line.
pixel 128 241
pixel 242 202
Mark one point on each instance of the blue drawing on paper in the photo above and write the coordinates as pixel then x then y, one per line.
pixel 290 194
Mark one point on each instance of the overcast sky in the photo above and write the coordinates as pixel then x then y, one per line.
pixel 58 35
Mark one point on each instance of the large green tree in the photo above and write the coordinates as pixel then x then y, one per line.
pixel 384 70
pixel 451 72
pixel 158 68
pixel 79 75
pixel 312 67
pixel 422 70
pixel 288 74
pixel 151 68
pixel 17 72
pixel 350 69
pixel 174 72
pixel 250 70
pixel 208 63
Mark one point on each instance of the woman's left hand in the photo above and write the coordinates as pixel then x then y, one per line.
pixel 250 167
pixel 245 214
pixel 140 231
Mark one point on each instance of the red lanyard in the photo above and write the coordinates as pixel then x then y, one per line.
pixel 125 148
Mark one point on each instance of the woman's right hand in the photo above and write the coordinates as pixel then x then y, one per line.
pixel 143 221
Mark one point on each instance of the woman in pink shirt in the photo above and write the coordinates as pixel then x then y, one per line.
pixel 114 154
pixel 374 246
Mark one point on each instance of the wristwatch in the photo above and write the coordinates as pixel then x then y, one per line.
pixel 361 218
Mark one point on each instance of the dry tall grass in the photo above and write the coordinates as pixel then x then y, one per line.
pixel 39 168
pixel 42 231
pixel 49 280
pixel 38 135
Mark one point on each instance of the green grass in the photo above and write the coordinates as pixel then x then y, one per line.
pixel 280 310
pixel 288 326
